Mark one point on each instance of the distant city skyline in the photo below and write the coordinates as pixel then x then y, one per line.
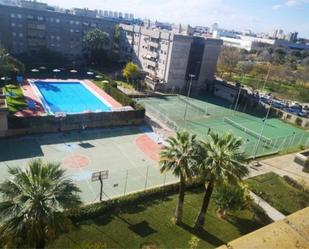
pixel 258 16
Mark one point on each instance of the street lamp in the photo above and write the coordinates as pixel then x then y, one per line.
pixel 263 127
pixel 266 79
pixel 189 91
pixel 237 100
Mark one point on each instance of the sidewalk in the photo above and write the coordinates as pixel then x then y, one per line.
pixel 273 213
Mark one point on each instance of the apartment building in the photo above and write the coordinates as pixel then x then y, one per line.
pixel 168 58
pixel 32 25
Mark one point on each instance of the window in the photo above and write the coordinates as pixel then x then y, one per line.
pixel 77 22
pixel 72 30
pixel 13 24
pixel 77 31
pixel 30 17
pixel 12 15
pixel 52 37
pixel 51 19
pixel 20 16
pixel 71 22
pixel 21 35
pixel 40 18
pixel 58 38
pixel 57 20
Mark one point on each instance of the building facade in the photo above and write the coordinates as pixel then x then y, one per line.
pixel 168 58
pixel 34 25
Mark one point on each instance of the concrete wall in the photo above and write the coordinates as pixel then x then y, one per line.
pixel 31 125
pixel 209 62
pixel 178 61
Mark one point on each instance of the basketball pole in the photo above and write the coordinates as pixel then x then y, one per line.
pixel 262 131
pixel 101 187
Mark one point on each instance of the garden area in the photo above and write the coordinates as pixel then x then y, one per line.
pixel 148 222
pixel 279 193
pixel 281 90
pixel 15 98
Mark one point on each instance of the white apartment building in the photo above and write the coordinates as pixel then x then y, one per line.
pixel 168 58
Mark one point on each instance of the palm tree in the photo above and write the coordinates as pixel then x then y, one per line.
pixel 221 161
pixel 178 157
pixel 32 204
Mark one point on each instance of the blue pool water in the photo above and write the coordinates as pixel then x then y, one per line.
pixel 69 97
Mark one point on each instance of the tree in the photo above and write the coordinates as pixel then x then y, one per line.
pixel 130 71
pixel 231 197
pixel 221 161
pixel 178 156
pixel 9 66
pixel 228 60
pixel 97 42
pixel 33 201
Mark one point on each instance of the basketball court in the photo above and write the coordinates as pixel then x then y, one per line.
pixel 130 155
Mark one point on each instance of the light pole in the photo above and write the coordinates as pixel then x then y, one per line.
pixel 266 79
pixel 236 104
pixel 189 91
pixel 263 127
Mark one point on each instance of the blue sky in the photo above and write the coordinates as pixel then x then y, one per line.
pixel 257 15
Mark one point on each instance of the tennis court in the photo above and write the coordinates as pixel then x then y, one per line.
pixel 211 113
pixel 129 154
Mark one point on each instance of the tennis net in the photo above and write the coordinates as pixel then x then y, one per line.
pixel 246 130
pixel 198 108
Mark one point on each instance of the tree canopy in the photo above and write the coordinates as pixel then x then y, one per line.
pixel 32 204
pixel 130 71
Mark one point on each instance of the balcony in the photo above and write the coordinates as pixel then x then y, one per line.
pixel 153 44
pixel 151 63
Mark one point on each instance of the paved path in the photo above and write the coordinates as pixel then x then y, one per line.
pixel 273 213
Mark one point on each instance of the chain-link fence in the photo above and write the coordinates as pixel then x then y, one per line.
pixel 123 182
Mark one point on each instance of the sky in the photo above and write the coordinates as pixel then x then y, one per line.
pixel 256 15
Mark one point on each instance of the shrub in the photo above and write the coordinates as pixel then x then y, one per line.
pixel 97 209
pixel 122 98
pixel 260 214
pixel 298 121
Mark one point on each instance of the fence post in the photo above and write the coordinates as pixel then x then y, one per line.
pixel 146 177
pixel 164 180
pixel 126 182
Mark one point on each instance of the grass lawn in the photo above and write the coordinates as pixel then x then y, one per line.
pixel 125 84
pixel 17 101
pixel 282 196
pixel 150 222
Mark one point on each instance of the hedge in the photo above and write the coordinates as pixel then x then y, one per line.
pixel 122 98
pixel 260 214
pixel 100 208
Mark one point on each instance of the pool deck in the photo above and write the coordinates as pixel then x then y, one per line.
pixel 31 95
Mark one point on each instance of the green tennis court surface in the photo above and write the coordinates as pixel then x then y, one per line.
pixel 212 113
pixel 82 154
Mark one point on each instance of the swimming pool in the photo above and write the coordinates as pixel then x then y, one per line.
pixel 69 97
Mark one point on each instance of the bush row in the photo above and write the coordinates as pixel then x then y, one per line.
pixel 111 89
pixel 260 214
pixel 294 183
pixel 100 208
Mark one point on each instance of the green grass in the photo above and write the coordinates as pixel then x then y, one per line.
pixel 150 222
pixel 17 102
pixel 125 84
pixel 285 90
pixel 282 196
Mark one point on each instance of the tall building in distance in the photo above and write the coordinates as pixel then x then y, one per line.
pixel 27 26
pixel 169 57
